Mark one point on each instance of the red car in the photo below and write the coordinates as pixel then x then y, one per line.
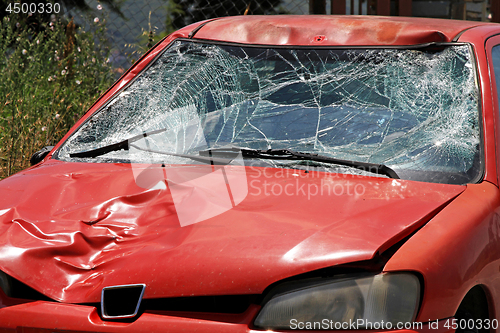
pixel 271 173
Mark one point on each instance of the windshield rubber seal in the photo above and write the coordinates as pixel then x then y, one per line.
pixel 475 180
pixel 482 160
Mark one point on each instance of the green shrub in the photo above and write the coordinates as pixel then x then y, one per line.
pixel 48 80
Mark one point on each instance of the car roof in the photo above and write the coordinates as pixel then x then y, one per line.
pixel 330 30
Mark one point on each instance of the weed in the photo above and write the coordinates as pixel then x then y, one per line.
pixel 48 80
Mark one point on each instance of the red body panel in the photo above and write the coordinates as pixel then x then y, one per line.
pixel 334 30
pixel 68 241
pixel 76 318
pixel 456 250
pixel 90 239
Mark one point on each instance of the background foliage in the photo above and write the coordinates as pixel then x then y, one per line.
pixel 49 77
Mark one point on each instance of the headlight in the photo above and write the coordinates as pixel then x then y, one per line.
pixel 387 298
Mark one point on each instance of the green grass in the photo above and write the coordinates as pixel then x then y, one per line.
pixel 48 80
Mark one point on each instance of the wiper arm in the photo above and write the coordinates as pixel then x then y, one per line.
pixel 287 154
pixel 231 152
pixel 115 146
pixel 126 144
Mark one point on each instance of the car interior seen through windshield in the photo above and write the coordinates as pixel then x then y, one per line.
pixel 413 110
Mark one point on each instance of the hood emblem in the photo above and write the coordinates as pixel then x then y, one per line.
pixel 121 301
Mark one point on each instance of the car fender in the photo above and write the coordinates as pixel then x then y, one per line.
pixel 456 250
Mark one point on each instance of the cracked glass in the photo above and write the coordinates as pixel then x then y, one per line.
pixel 414 110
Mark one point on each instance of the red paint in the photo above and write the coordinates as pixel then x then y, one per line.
pixel 68 240
pixel 339 30
pixel 111 236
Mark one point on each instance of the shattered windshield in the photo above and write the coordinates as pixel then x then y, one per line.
pixel 413 110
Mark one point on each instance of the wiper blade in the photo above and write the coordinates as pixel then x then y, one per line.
pixel 115 146
pixel 126 144
pixel 231 152
pixel 287 154
pixel 211 160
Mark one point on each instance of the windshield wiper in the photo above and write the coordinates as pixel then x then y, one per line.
pixel 287 154
pixel 231 153
pixel 126 144
pixel 115 146
pixel 203 159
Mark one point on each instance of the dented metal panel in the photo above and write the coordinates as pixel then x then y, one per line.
pixel 338 30
pixel 86 229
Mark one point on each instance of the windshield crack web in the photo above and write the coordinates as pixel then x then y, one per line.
pixel 411 109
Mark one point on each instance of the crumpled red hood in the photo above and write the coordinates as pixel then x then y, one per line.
pixel 70 229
